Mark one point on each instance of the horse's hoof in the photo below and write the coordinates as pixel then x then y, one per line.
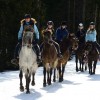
pixel 93 73
pixel 60 80
pixel 44 85
pixel 85 69
pixel 49 83
pixel 22 89
pixel 32 83
pixel 77 70
pixel 82 70
pixel 27 92
pixel 54 80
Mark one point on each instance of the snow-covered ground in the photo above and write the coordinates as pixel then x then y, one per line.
pixel 76 86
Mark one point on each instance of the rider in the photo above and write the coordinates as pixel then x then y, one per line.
pixel 27 21
pixel 81 34
pixel 61 32
pixel 91 36
pixel 50 27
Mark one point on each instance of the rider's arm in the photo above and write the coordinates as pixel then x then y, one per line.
pixel 20 32
pixel 94 35
pixel 36 32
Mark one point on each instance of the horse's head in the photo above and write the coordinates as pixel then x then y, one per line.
pixel 88 47
pixel 47 35
pixel 28 36
pixel 73 41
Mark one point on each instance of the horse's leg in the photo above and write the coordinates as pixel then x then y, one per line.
pixel 28 79
pixel 90 67
pixel 85 66
pixel 21 84
pixel 80 65
pixel 76 63
pixel 63 70
pixel 60 77
pixel 54 77
pixel 33 79
pixel 50 76
pixel 44 80
pixel 94 66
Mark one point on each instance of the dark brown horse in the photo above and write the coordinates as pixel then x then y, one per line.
pixel 79 56
pixel 93 55
pixel 67 45
pixel 49 57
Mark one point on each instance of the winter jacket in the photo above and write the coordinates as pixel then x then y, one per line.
pixel 91 36
pixel 61 33
pixel 81 35
pixel 32 22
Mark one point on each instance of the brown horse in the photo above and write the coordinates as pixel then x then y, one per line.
pixel 79 55
pixel 49 57
pixel 67 45
pixel 93 55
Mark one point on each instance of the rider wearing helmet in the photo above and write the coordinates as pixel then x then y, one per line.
pixel 81 34
pixel 91 35
pixel 50 27
pixel 25 22
pixel 61 32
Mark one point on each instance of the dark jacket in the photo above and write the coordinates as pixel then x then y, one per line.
pixel 61 33
pixel 81 36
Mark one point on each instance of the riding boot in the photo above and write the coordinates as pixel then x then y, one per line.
pixel 37 49
pixel 15 61
pixel 58 49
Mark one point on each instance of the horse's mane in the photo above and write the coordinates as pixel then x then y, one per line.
pixel 65 44
pixel 28 28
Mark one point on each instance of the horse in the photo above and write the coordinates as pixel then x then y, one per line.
pixel 79 55
pixel 92 55
pixel 27 59
pixel 67 45
pixel 49 57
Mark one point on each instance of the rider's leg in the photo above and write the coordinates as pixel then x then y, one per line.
pixel 37 49
pixel 16 54
pixel 41 47
pixel 17 50
pixel 58 48
pixel 97 46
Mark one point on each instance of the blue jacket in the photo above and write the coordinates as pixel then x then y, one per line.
pixel 21 31
pixel 61 33
pixel 91 36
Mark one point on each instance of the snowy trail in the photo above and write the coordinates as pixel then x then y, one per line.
pixel 76 86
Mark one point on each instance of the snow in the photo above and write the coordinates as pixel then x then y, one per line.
pixel 76 86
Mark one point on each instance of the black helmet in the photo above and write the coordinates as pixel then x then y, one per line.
pixel 64 23
pixel 92 23
pixel 50 23
pixel 27 16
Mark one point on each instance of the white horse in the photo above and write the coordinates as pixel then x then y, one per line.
pixel 27 60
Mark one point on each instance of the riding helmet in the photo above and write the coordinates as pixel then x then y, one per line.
pixel 50 23
pixel 27 16
pixel 92 23
pixel 64 23
pixel 81 25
